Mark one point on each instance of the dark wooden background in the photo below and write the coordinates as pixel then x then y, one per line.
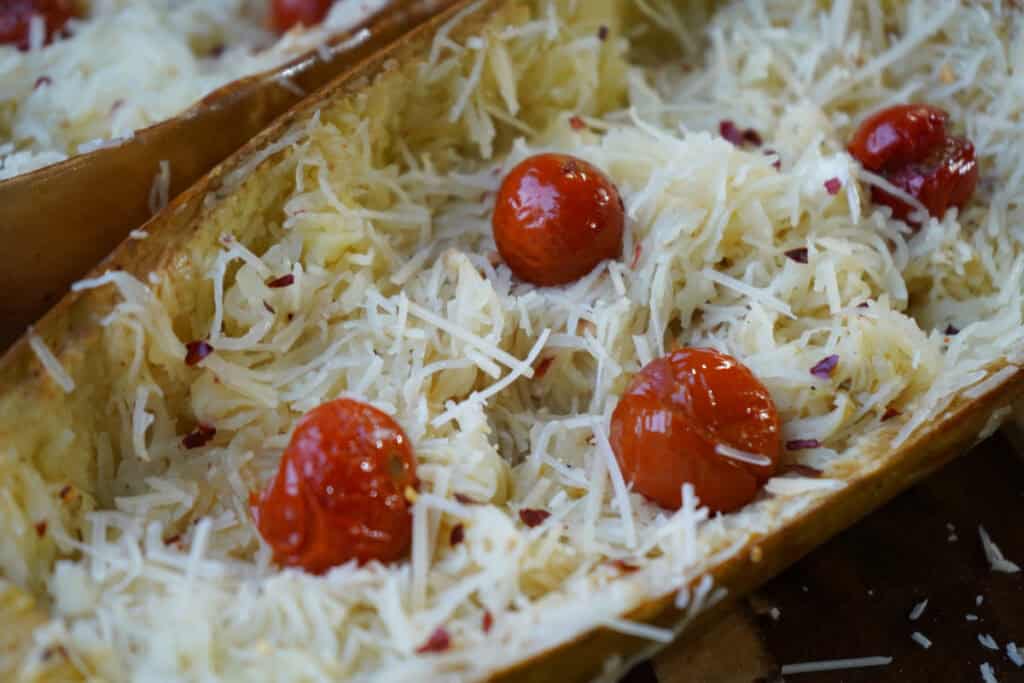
pixel 852 596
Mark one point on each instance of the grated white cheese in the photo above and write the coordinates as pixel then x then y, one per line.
pixel 986 673
pixel 834 665
pixel 918 610
pixel 995 555
pixel 741 456
pixel 1015 654
pixel 921 639
pixel 988 641
pixel 641 630
pixel 49 362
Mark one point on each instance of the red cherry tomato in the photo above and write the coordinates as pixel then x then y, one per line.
pixel 945 178
pixel 556 218
pixel 16 19
pixel 339 493
pixel 679 414
pixel 284 14
pixel 898 135
pixel 908 146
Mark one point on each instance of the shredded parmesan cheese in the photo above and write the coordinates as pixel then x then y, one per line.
pixel 988 641
pixel 834 665
pixel 995 555
pixel 50 363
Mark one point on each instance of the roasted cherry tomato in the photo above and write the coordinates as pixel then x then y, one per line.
pixel 16 19
pixel 944 178
pixel 697 416
pixel 908 146
pixel 340 490
pixel 898 135
pixel 284 14
pixel 556 218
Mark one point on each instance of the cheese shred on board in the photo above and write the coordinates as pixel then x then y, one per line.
pixel 379 207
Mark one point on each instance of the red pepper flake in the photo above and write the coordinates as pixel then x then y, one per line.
pixel 200 437
pixel 439 641
pixel 532 518
pixel 41 528
pixel 731 132
pixel 824 368
pixel 269 308
pixel 488 621
pixel 465 500
pixel 283 281
pixel 801 444
pixel 799 254
pixel 196 351
pixel 602 33
pixel 952 330
pixel 728 130
pixel 624 567
pixel 890 413
pixel 833 185
pixel 542 367
pixel 752 137
pixel 65 492
pixel 458 535
pixel 41 81
pixel 577 123
pixel 777 163
pixel 863 304
pixel 637 251
pixel 802 470
pixel 172 540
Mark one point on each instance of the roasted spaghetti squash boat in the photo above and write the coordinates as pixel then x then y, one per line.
pixel 522 347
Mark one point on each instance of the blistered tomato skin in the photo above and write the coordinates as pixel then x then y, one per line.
pixel 945 178
pixel 556 218
pixel 284 14
pixel 340 490
pixel 16 19
pixel 667 428
pixel 908 145
pixel 898 135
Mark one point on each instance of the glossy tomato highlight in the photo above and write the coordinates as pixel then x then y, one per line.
pixel 908 145
pixel 556 218
pixel 341 489
pixel 696 416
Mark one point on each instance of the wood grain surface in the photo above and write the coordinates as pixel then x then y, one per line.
pixel 852 597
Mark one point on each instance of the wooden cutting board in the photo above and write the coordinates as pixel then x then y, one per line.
pixel 852 597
